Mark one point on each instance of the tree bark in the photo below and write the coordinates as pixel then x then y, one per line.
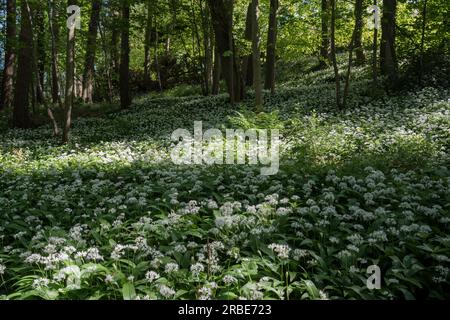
pixel 222 17
pixel 422 39
pixel 108 65
pixel 40 55
pixel 324 57
pixel 147 45
pixel 7 87
pixel 70 75
pixel 256 52
pixel 54 35
pixel 374 53
pixel 388 58
pixel 359 50
pixel 333 54
pixel 247 61
pixel 91 47
pixel 207 46
pixel 271 46
pixel 125 95
pixel 115 39
pixel 216 72
pixel 21 116
pixel 349 66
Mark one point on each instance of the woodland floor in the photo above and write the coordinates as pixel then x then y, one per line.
pixel 109 216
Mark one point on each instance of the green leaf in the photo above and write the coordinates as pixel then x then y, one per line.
pixel 128 291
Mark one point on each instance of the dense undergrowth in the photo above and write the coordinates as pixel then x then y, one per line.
pixel 109 216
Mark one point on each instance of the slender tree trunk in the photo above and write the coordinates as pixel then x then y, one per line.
pixel 388 58
pixel 7 86
pixel 21 116
pixel 256 50
pixel 333 54
pixel 54 34
pixel 157 66
pixel 374 53
pixel 91 46
pixel 359 50
pixel 39 60
pixel 107 63
pixel 197 43
pixel 324 56
pixel 422 38
pixel 37 23
pixel 349 67
pixel 70 75
pixel 40 55
pixel 207 46
pixel 271 46
pixel 173 10
pixel 247 61
pixel 115 39
pixel 147 44
pixel 216 71
pixel 125 95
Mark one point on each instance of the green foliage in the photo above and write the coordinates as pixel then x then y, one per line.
pixel 110 217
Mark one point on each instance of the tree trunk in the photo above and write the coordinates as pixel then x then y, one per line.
pixel 147 45
pixel 325 39
pixel 197 43
pixel 359 50
pixel 388 58
pixel 21 116
pixel 422 39
pixel 349 66
pixel 157 66
pixel 247 61
pixel 91 46
pixel 256 51
pixel 125 96
pixel 222 17
pixel 207 46
pixel 107 62
pixel 333 54
pixel 70 75
pixel 40 55
pixel 6 93
pixel 115 38
pixel 374 52
pixel 216 72
pixel 271 47
pixel 54 34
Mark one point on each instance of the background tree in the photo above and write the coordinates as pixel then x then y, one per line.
pixel 91 46
pixel 125 94
pixel 222 17
pixel 324 56
pixel 39 53
pixel 70 74
pixel 388 57
pixel 147 43
pixel 21 115
pixel 271 46
pixel 53 14
pixel 7 90
pixel 256 53
pixel 333 53
pixel 359 24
